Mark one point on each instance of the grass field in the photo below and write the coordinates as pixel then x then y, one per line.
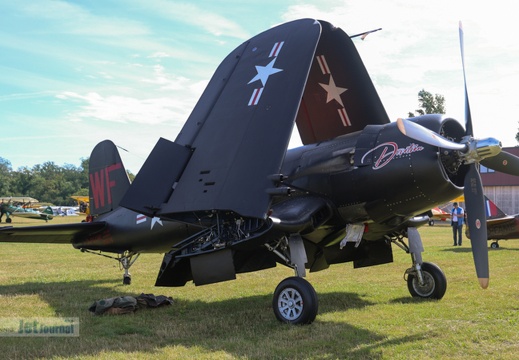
pixel 363 313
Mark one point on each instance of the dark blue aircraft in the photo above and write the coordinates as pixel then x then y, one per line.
pixel 227 197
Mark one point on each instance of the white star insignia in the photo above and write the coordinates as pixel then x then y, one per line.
pixel 155 220
pixel 334 92
pixel 264 72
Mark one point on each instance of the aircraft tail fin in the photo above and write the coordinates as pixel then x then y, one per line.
pixel 108 178
pixel 493 212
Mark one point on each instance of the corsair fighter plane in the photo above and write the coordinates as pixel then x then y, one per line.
pixel 227 197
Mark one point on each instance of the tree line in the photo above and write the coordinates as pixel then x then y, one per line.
pixel 47 182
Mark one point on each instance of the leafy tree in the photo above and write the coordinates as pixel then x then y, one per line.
pixel 47 182
pixel 131 176
pixel 429 104
pixel 517 136
pixel 21 182
pixel 5 176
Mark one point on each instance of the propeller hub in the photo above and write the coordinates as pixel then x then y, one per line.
pixel 479 149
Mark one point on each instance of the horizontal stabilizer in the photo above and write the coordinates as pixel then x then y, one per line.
pixel 57 234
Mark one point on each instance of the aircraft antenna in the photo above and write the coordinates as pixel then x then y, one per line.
pixel 365 33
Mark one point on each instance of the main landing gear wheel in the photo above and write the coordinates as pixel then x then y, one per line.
pixel 295 301
pixel 434 282
pixel 494 245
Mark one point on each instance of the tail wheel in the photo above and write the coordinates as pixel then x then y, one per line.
pixel 127 280
pixel 434 282
pixel 295 301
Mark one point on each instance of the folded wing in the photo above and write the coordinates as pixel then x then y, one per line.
pixel 238 132
pixel 339 96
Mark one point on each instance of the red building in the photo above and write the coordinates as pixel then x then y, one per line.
pixel 502 189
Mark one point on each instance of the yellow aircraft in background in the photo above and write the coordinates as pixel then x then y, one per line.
pixel 82 203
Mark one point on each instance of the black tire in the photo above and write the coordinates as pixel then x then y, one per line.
pixel 295 301
pixel 9 220
pixel 435 283
pixel 494 245
pixel 431 222
pixel 127 280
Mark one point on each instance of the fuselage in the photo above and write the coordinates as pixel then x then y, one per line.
pixel 377 176
pixel 131 231
pixel 508 229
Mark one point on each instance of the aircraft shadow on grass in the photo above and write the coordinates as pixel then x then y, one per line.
pixel 457 249
pixel 209 320
pixel 408 300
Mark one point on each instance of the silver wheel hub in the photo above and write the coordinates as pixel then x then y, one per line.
pixel 290 304
pixel 427 288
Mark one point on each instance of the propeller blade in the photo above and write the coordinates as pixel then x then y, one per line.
pixel 477 223
pixel 503 162
pixel 420 133
pixel 468 117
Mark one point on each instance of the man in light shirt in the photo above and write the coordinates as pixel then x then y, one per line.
pixel 457 220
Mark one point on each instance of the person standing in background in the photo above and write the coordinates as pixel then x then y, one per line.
pixel 458 215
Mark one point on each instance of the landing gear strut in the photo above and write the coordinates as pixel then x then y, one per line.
pixel 125 259
pixel 424 280
pixel 433 284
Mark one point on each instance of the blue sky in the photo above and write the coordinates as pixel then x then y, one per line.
pixel 73 73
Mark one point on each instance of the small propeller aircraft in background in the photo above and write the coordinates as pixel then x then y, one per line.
pixel 500 226
pixel 21 207
pixel 227 197
pixel 438 214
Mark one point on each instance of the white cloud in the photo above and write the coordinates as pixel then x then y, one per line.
pixel 147 64
pixel 122 109
pixel 419 48
pixel 159 55
pixel 188 13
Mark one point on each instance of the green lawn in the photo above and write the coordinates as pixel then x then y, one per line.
pixel 363 313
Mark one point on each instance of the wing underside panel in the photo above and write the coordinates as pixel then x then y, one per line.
pixel 245 133
pixel 339 97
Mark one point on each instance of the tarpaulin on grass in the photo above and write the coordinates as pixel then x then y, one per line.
pixel 128 304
